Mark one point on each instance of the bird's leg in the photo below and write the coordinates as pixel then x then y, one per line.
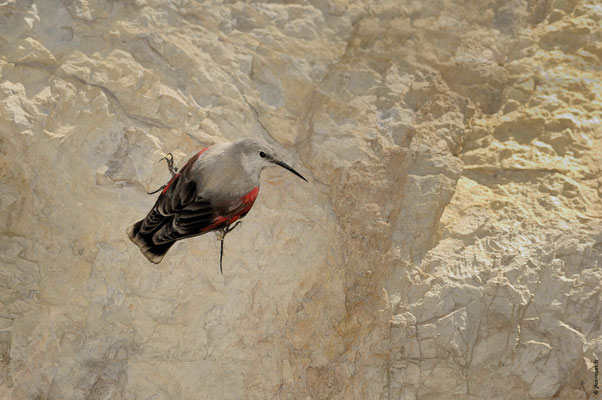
pixel 221 235
pixel 158 190
pixel 229 229
pixel 169 159
pixel 172 170
pixel 221 256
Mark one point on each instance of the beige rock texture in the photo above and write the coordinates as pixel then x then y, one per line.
pixel 448 245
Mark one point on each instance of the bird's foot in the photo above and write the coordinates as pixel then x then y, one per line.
pixel 158 190
pixel 172 170
pixel 229 229
pixel 221 234
pixel 169 159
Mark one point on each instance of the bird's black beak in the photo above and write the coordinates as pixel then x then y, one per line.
pixel 286 166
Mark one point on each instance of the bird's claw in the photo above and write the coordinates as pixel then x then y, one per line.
pixel 172 170
pixel 169 159
pixel 158 190
pixel 229 229
pixel 221 234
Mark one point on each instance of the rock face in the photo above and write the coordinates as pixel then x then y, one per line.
pixel 449 244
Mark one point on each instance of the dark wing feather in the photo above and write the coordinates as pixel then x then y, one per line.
pixel 179 192
pixel 179 213
pixel 199 217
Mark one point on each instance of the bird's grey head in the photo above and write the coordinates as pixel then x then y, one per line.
pixel 255 155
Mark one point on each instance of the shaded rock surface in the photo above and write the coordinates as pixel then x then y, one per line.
pixel 448 246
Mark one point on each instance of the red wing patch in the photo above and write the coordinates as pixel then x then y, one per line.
pixel 247 202
pixel 250 197
pixel 218 222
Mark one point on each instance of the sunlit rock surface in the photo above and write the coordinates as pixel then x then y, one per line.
pixel 448 244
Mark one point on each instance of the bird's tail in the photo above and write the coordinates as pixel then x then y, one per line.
pixel 154 252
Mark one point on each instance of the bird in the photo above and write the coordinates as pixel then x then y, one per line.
pixel 214 189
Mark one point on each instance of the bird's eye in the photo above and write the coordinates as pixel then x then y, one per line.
pixel 261 154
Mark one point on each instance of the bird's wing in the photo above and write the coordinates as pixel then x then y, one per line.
pixel 202 216
pixel 179 193
pixel 180 213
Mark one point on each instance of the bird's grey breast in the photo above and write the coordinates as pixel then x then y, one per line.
pixel 219 175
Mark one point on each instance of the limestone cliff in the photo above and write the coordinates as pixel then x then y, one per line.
pixel 448 245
